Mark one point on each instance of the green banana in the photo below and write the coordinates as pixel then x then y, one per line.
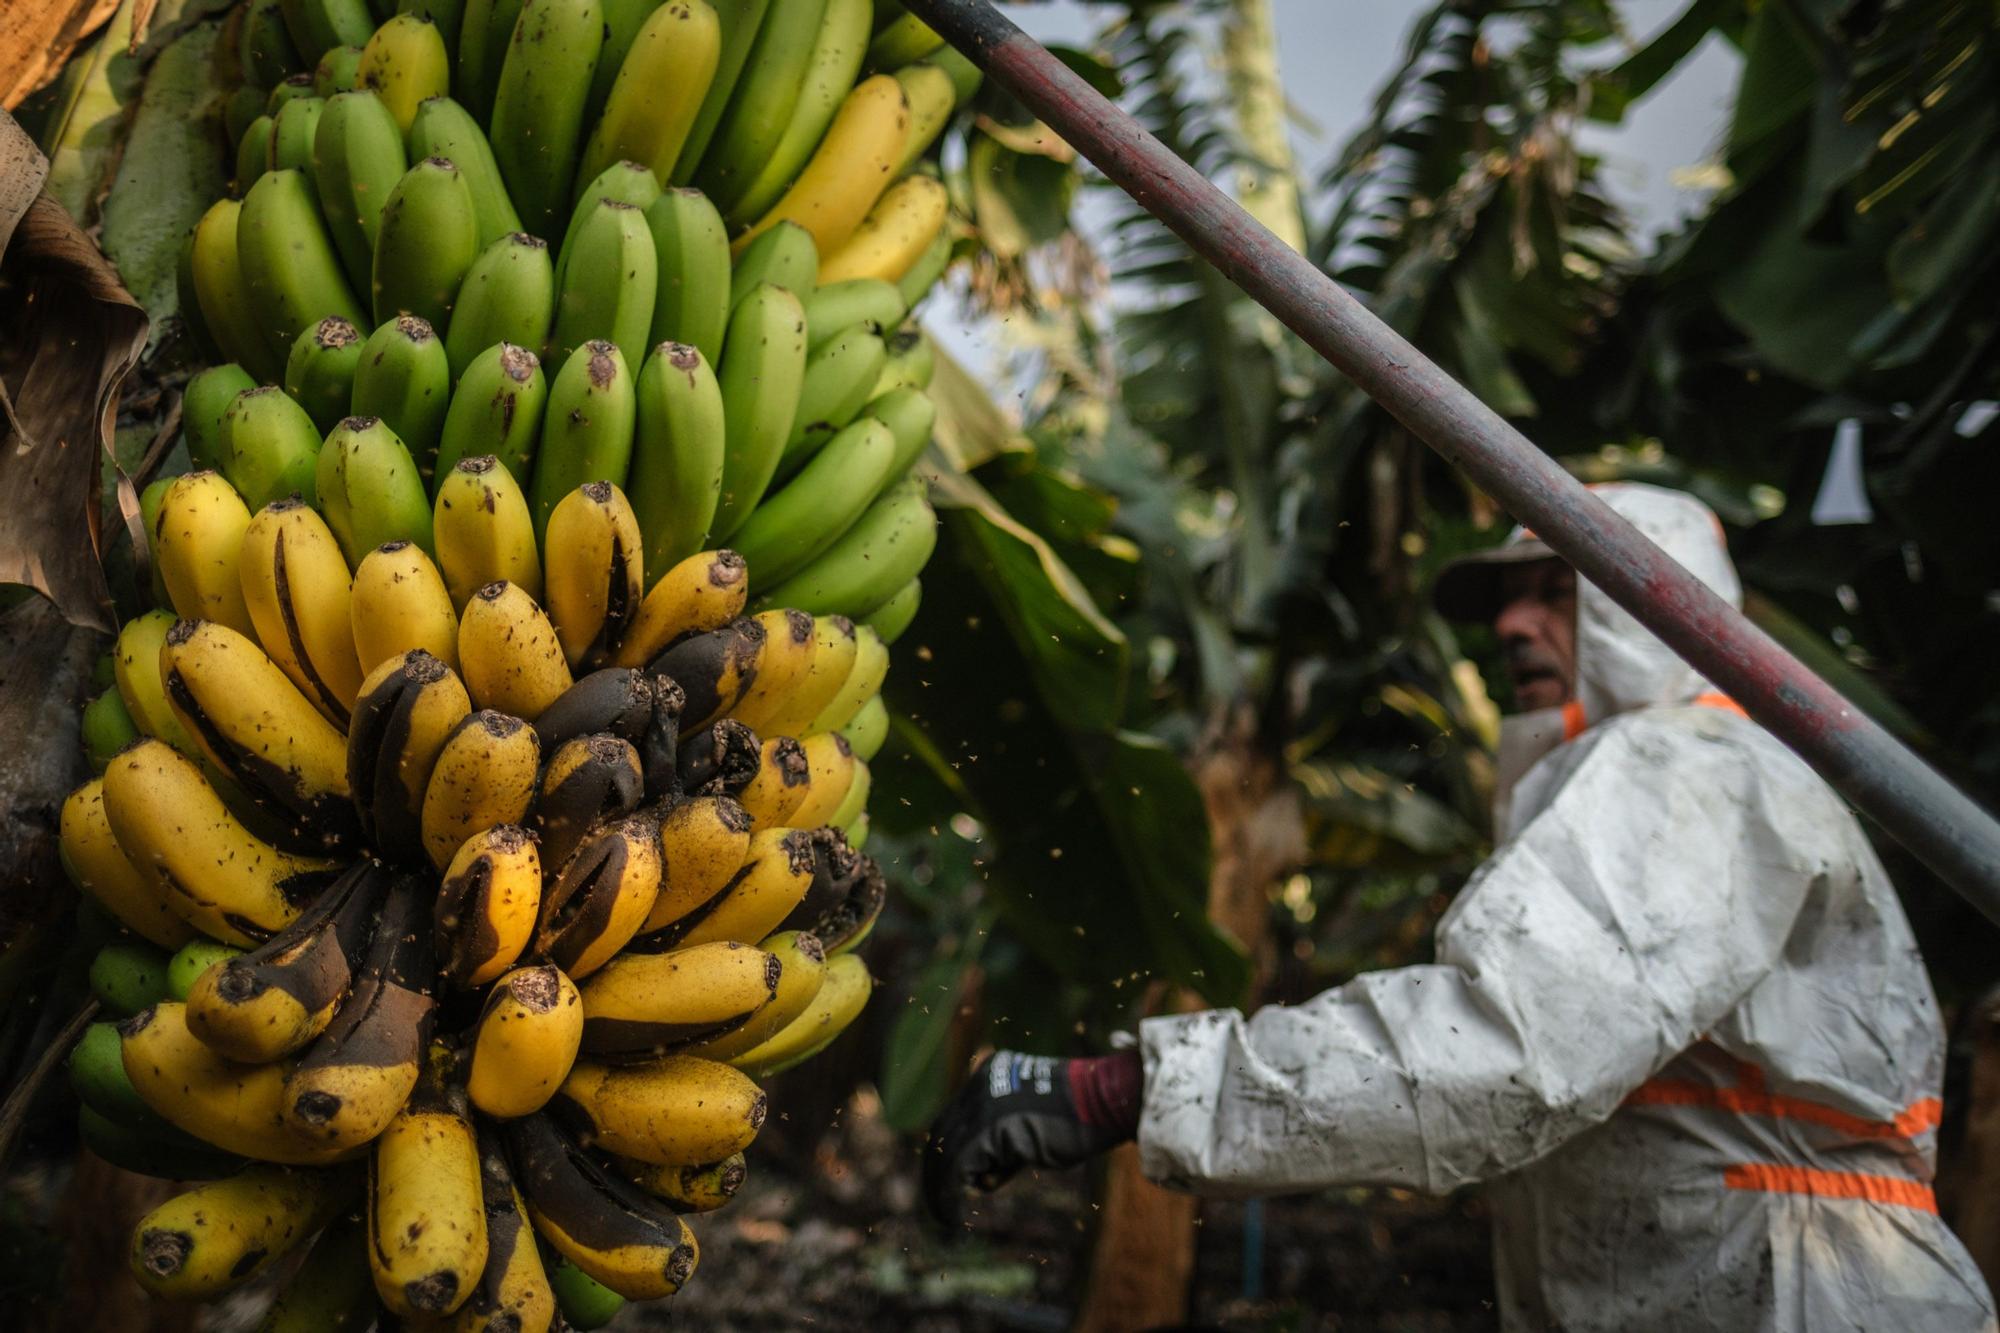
pixel 265 50
pixel 586 428
pixel 692 248
pixel 253 152
pixel 291 275
pixel 330 1292
pixel 320 371
pixel 207 396
pixel 584 1301
pixel 833 490
pixel 783 256
pixel 444 128
pixel 428 239
pixel 357 159
pixel 496 409
pixel 270 447
pixel 608 284
pixel 292 131
pixel 127 976
pixel 243 107
pixel 890 620
pixel 915 284
pixel 763 369
pixel 911 362
pixel 677 455
pixel 839 382
pixel 656 86
pixel 154 1149
pixel 760 106
pixel 292 88
pixel 626 181
pixel 448 15
pixel 965 76
pixel 932 99
pixel 538 105
pixel 107 727
pixel 222 296
pixel 508 296
pixel 907 38
pixel 909 414
pixel 839 306
pixel 835 61
pixel 369 489
pixel 740 20
pixel 485 32
pixel 884 550
pixel 870 727
pixel 338 71
pixel 97 1076
pixel 149 516
pixel 318 25
pixel 406 62
pixel 405 380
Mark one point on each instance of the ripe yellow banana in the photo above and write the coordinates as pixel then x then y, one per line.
pixel 198 542
pixel 836 648
pixel 136 662
pixel 641 1006
pixel 894 236
pixel 703 592
pixel 426 1207
pixel 864 682
pixel 509 652
pixel 594 571
pixel 587 781
pixel 233 1106
pixel 358 1075
pixel 265 1004
pixel 600 896
pixel 525 1041
pixel 781 783
pixel 676 1111
pixel 691 1189
pixel 221 878
pixel 801 960
pixel 487 905
pixel 772 881
pixel 484 777
pixel 832 762
pixel 783 666
pixel 484 532
pixel 253 724
pixel 98 866
pixel 841 998
pixel 407 709
pixel 220 1234
pixel 297 590
pixel 658 89
pixel 848 172
pixel 399 604
pixel 617 1234
pixel 704 842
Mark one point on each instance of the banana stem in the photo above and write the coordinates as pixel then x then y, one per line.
pixel 14 1111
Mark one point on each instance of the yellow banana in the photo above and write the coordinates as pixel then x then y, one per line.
pixel 98 866
pixel 762 893
pixel 892 237
pixel 426 1207
pixel 587 781
pixel 848 172
pixel 801 960
pixel 297 590
pixel 782 781
pixel 864 682
pixel 485 776
pixel 704 841
pixel 836 648
pixel 677 1111
pixel 594 571
pixel 513 1295
pixel 783 666
pixel 198 541
pixel 509 652
pixel 222 879
pixel 703 592
pixel 233 1106
pixel 220 1234
pixel 483 531
pixel 618 1235
pixel 841 998
pixel 600 896
pixel 487 905
pixel 856 800
pixel 524 1042
pixel 647 1005
pixel 400 604
pixel 137 664
pixel 832 762
pixel 691 1189
pixel 253 724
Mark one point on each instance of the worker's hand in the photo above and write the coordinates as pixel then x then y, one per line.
pixel 1027 1111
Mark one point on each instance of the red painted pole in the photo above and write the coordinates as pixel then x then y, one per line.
pixel 1937 822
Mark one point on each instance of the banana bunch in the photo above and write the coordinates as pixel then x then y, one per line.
pixel 669 244
pixel 472 880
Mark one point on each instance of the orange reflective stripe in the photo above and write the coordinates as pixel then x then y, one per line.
pixel 1717 699
pixel 1918 1118
pixel 1574 721
pixel 1767 1179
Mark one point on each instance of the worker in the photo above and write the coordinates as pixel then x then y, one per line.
pixel 1678 1025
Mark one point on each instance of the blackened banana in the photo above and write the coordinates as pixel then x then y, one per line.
pixel 721 759
pixel 406 710
pixel 714 669
pixel 590 780
pixel 600 896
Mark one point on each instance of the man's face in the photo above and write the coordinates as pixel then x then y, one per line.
pixel 1537 629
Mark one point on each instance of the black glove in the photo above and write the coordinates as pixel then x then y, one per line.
pixel 1022 1111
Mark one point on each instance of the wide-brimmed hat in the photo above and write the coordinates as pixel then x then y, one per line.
pixel 1469 587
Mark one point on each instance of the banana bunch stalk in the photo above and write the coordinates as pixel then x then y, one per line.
pixel 473 881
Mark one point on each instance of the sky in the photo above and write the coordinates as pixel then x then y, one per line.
pixel 1334 55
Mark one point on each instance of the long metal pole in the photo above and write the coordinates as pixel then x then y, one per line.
pixel 1937 822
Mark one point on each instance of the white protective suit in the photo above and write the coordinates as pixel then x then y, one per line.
pixel 1678 1023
